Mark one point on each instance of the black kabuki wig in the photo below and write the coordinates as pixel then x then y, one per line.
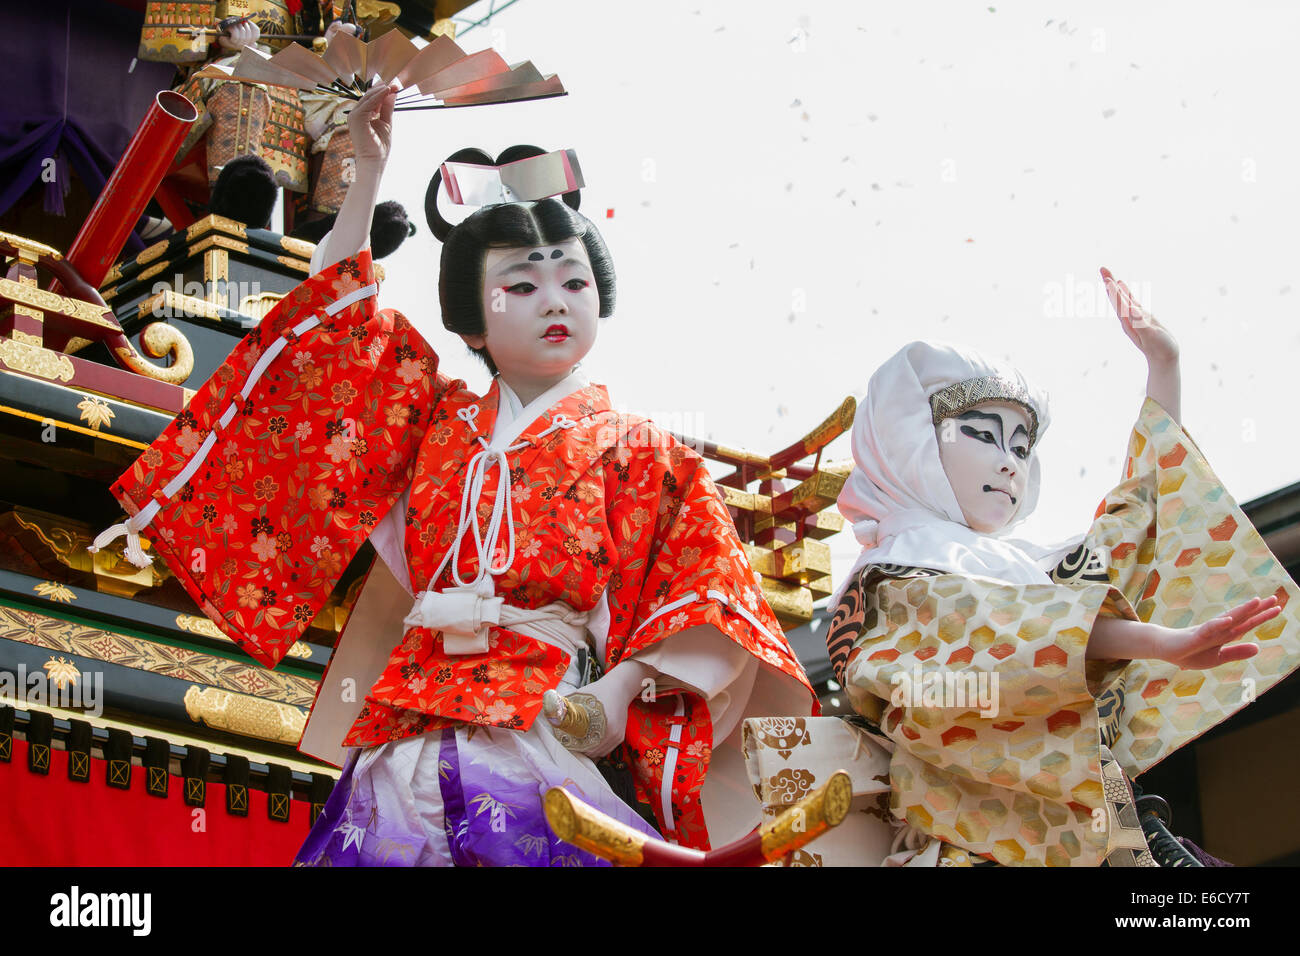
pixel 545 222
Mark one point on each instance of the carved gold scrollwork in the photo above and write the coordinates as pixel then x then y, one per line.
pixel 29 248
pixel 245 715
pixel 158 340
pixel 202 625
pixel 47 301
pixel 41 362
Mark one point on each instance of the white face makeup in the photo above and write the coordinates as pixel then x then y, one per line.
pixel 540 309
pixel 986 457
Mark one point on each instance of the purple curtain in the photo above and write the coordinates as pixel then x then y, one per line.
pixel 68 90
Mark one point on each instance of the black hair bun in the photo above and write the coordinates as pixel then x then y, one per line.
pixel 245 190
pixel 389 228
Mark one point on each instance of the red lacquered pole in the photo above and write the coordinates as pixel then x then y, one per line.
pixel 128 190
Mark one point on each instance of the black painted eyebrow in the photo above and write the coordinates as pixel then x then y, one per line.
pixel 973 414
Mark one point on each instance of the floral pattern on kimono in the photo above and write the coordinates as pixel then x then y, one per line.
pixel 351 413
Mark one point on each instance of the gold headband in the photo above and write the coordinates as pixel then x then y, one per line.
pixel 954 399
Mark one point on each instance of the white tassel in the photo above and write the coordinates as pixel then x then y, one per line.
pixel 133 552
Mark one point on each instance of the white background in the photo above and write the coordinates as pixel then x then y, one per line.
pixel 799 189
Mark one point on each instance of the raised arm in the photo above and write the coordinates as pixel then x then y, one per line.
pixel 1164 384
pixel 370 125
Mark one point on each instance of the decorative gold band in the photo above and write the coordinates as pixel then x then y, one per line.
pixel 963 396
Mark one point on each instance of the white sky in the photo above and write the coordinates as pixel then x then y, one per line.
pixel 799 189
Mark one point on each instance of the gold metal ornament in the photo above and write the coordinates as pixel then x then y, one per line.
pixel 808 819
pixel 589 829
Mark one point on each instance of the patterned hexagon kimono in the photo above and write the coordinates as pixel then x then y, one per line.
pixel 331 422
pixel 1038 778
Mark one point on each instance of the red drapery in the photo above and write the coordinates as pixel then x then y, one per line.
pixel 53 821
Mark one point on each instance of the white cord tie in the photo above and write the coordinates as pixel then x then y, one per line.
pixel 131 527
pixel 465 612
pixel 469 416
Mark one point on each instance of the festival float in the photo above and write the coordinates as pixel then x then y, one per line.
pixel 122 706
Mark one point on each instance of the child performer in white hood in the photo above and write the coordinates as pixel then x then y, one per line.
pixel 1105 655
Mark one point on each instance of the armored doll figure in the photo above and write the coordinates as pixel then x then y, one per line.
pixel 1008 693
pixel 532 541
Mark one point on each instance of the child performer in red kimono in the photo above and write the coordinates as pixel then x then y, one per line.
pixel 530 531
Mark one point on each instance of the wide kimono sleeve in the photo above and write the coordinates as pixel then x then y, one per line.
pixel 682 573
pixel 261 491
pixel 1182 551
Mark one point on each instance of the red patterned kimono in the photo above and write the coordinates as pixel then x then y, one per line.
pixel 262 490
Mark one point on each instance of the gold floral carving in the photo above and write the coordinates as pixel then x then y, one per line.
pixel 96 412
pixel 55 592
pixel 152 253
pixel 41 362
pixel 61 672
pixel 298 247
pixel 244 715
pixel 258 305
pixel 147 274
pixel 216 242
pixel 27 339
pixel 46 301
pixel 202 625
pixel 139 654
pixel 29 249
pixel 214 222
pixel 589 829
pixel 292 262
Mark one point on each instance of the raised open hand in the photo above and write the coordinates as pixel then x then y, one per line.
pixel 1195 648
pixel 1152 339
pixel 371 125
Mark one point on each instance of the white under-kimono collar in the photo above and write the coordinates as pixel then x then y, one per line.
pixel 513 416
